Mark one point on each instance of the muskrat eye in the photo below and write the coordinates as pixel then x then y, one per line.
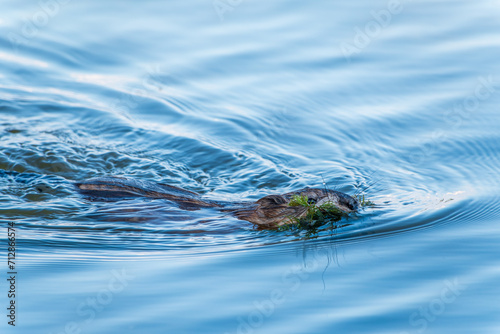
pixel 311 201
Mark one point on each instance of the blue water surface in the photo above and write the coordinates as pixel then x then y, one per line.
pixel 237 100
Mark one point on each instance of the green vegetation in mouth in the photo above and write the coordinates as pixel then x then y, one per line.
pixel 318 215
pixel 298 200
pixel 315 216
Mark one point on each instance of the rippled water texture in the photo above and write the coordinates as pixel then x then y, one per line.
pixel 237 100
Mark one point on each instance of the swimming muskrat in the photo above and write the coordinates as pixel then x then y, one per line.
pixel 269 211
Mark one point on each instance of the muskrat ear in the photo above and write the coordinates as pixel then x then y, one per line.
pixel 272 199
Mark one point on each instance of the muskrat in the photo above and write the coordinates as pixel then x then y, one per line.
pixel 269 211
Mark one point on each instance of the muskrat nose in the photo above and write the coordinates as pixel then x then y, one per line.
pixel 353 205
pixel 311 201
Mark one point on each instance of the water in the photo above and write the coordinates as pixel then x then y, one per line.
pixel 238 100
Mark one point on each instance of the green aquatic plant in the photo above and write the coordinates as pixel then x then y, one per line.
pixel 315 215
pixel 298 200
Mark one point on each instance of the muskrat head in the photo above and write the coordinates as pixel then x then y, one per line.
pixel 275 210
pixel 319 197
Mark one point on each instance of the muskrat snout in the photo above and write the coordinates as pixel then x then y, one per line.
pixel 343 201
pixel 351 203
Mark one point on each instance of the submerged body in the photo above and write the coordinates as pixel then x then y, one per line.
pixel 269 211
